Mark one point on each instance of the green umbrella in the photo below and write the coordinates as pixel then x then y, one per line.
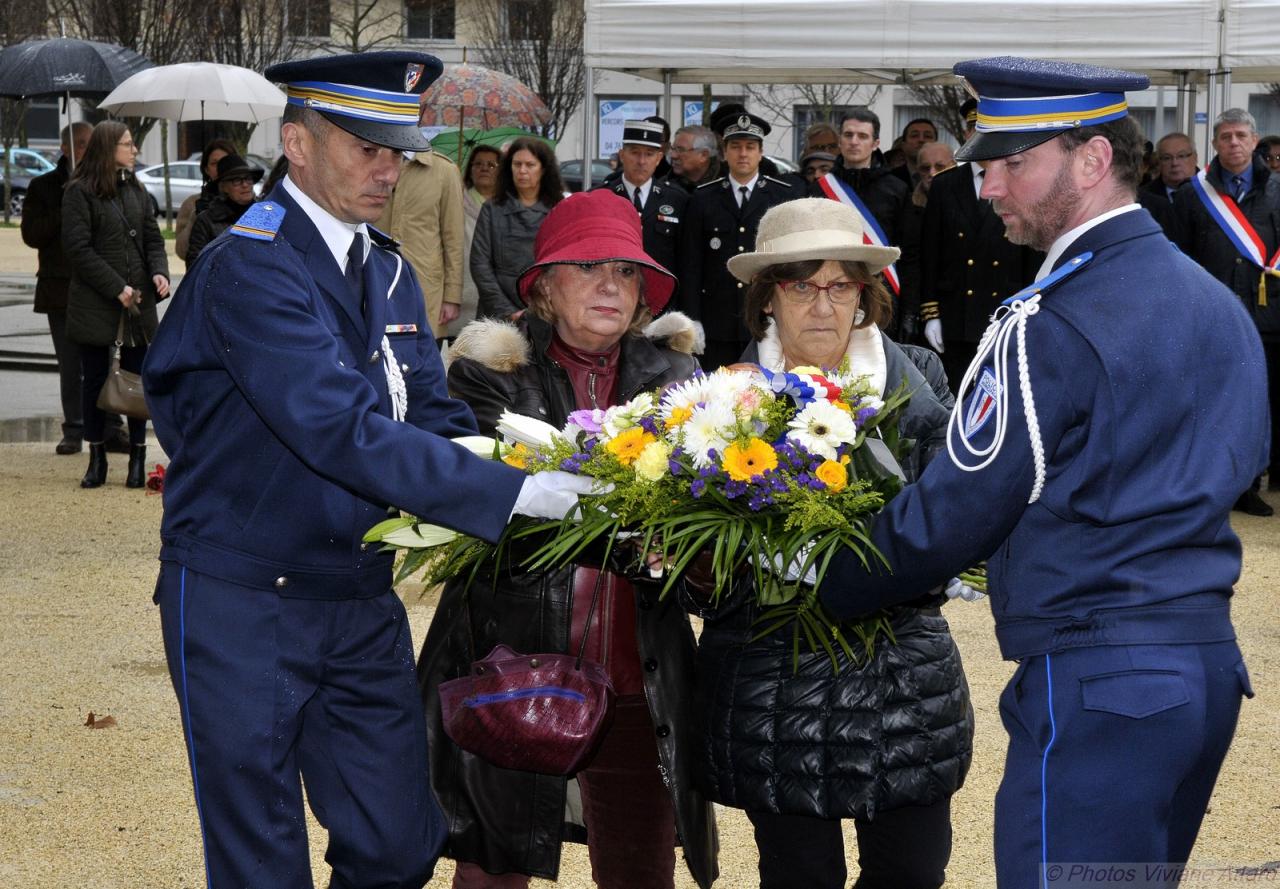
pixel 447 142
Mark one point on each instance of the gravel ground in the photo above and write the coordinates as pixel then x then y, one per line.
pixel 112 808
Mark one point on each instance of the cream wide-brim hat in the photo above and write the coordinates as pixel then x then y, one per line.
pixel 810 228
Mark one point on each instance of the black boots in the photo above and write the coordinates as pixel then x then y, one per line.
pixel 96 474
pixel 137 476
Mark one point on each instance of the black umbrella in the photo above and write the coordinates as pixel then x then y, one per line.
pixel 66 67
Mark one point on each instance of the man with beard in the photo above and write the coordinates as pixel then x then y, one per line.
pixel 1116 414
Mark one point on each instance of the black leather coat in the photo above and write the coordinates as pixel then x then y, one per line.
pixel 896 731
pixel 512 821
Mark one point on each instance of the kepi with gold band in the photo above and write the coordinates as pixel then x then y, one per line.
pixel 1024 102
pixel 372 95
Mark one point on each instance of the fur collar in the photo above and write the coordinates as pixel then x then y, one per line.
pixel 865 353
pixel 503 347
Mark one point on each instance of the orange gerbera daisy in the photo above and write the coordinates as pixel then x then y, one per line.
pixel 518 456
pixel 745 462
pixel 628 445
pixel 833 475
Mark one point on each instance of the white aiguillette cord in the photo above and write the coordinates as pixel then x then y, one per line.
pixel 395 380
pixel 1006 322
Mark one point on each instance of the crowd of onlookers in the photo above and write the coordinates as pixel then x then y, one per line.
pixel 700 193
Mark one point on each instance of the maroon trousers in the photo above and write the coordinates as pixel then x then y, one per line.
pixel 631 827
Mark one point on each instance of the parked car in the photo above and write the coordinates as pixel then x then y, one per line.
pixel 184 181
pixel 25 164
pixel 571 173
pixel 784 165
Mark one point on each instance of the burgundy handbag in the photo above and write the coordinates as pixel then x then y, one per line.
pixel 540 713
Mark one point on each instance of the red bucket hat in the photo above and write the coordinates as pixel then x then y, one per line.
pixel 597 226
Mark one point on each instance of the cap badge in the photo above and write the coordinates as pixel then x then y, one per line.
pixel 412 74
pixel 744 120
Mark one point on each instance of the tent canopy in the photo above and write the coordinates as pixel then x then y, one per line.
pixel 901 41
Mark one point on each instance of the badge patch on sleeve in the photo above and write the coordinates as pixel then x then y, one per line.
pixel 982 404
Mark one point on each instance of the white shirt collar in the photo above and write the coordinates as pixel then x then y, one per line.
pixel 976 170
pixel 750 186
pixel 336 233
pixel 1066 240
pixel 644 189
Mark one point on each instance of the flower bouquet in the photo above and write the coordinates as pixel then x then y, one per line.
pixel 769 473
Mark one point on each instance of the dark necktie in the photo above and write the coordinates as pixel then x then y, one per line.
pixel 635 199
pixel 1237 183
pixel 355 268
pixel 745 195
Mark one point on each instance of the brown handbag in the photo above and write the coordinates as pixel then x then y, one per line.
pixel 122 392
pixel 541 713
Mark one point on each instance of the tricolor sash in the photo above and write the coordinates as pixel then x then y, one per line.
pixel 838 190
pixel 1235 225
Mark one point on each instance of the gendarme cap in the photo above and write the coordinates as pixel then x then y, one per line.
pixel 372 95
pixel 642 132
pixel 1024 102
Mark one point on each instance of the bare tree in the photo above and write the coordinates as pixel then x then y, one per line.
pixel 538 42
pixel 359 25
pixel 19 20
pixel 825 99
pixel 943 102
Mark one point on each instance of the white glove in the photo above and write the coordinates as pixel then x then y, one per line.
pixel 958 589
pixel 553 495
pixel 933 333
pixel 791 573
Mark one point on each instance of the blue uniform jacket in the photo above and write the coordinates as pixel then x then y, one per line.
pixel 268 392
pixel 1150 387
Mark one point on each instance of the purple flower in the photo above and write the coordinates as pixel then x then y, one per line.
pixel 649 425
pixel 698 488
pixel 864 415
pixel 674 467
pixel 588 420
pixel 733 489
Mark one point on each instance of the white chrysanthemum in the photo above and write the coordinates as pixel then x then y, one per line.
pixel 711 427
pixel 726 386
pixel 681 398
pixel 620 418
pixel 821 428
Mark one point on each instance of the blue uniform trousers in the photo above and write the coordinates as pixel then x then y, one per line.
pixel 272 688
pixel 1113 754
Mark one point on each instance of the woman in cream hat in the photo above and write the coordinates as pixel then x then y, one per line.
pixel 887 742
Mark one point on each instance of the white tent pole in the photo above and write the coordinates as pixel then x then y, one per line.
pixel 1180 116
pixel 588 124
pixel 666 101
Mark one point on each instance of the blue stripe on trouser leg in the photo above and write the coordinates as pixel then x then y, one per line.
pixel 1138 734
pixel 186 716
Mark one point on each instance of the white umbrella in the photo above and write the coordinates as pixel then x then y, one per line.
pixel 197 91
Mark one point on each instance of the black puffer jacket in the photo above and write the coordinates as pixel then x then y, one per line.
pixel 109 243
pixel 896 731
pixel 511 821
pixel 1198 236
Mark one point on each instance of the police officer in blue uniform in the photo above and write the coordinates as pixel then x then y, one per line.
pixel 1115 411
pixel 296 386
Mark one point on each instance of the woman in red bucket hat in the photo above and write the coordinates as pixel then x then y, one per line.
pixel 588 341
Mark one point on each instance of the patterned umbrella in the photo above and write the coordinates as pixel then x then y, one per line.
pixel 472 96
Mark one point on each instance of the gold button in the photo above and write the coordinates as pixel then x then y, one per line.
pixel 739 285
pixel 741 229
pixel 1239 260
pixel 740 249
pixel 995 263
pixel 373 359
pixel 968 262
pixel 968 293
pixel 994 293
pixel 960 235
pixel 282 582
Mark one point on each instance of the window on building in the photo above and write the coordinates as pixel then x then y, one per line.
pixel 529 19
pixel 1265 108
pixel 307 18
pixel 1145 118
pixel 429 19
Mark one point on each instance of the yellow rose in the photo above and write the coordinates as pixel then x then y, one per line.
pixel 746 462
pixel 652 465
pixel 833 475
pixel 628 445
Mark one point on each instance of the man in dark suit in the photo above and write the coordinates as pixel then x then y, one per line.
pixel 720 222
pixel 967 266
pixel 660 204
pixel 299 392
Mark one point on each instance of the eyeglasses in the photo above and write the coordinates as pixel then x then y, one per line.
pixel 1180 156
pixel 237 180
pixel 1272 158
pixel 839 293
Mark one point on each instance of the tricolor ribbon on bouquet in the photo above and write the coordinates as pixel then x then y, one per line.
pixel 837 190
pixel 1235 225
pixel 801 388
